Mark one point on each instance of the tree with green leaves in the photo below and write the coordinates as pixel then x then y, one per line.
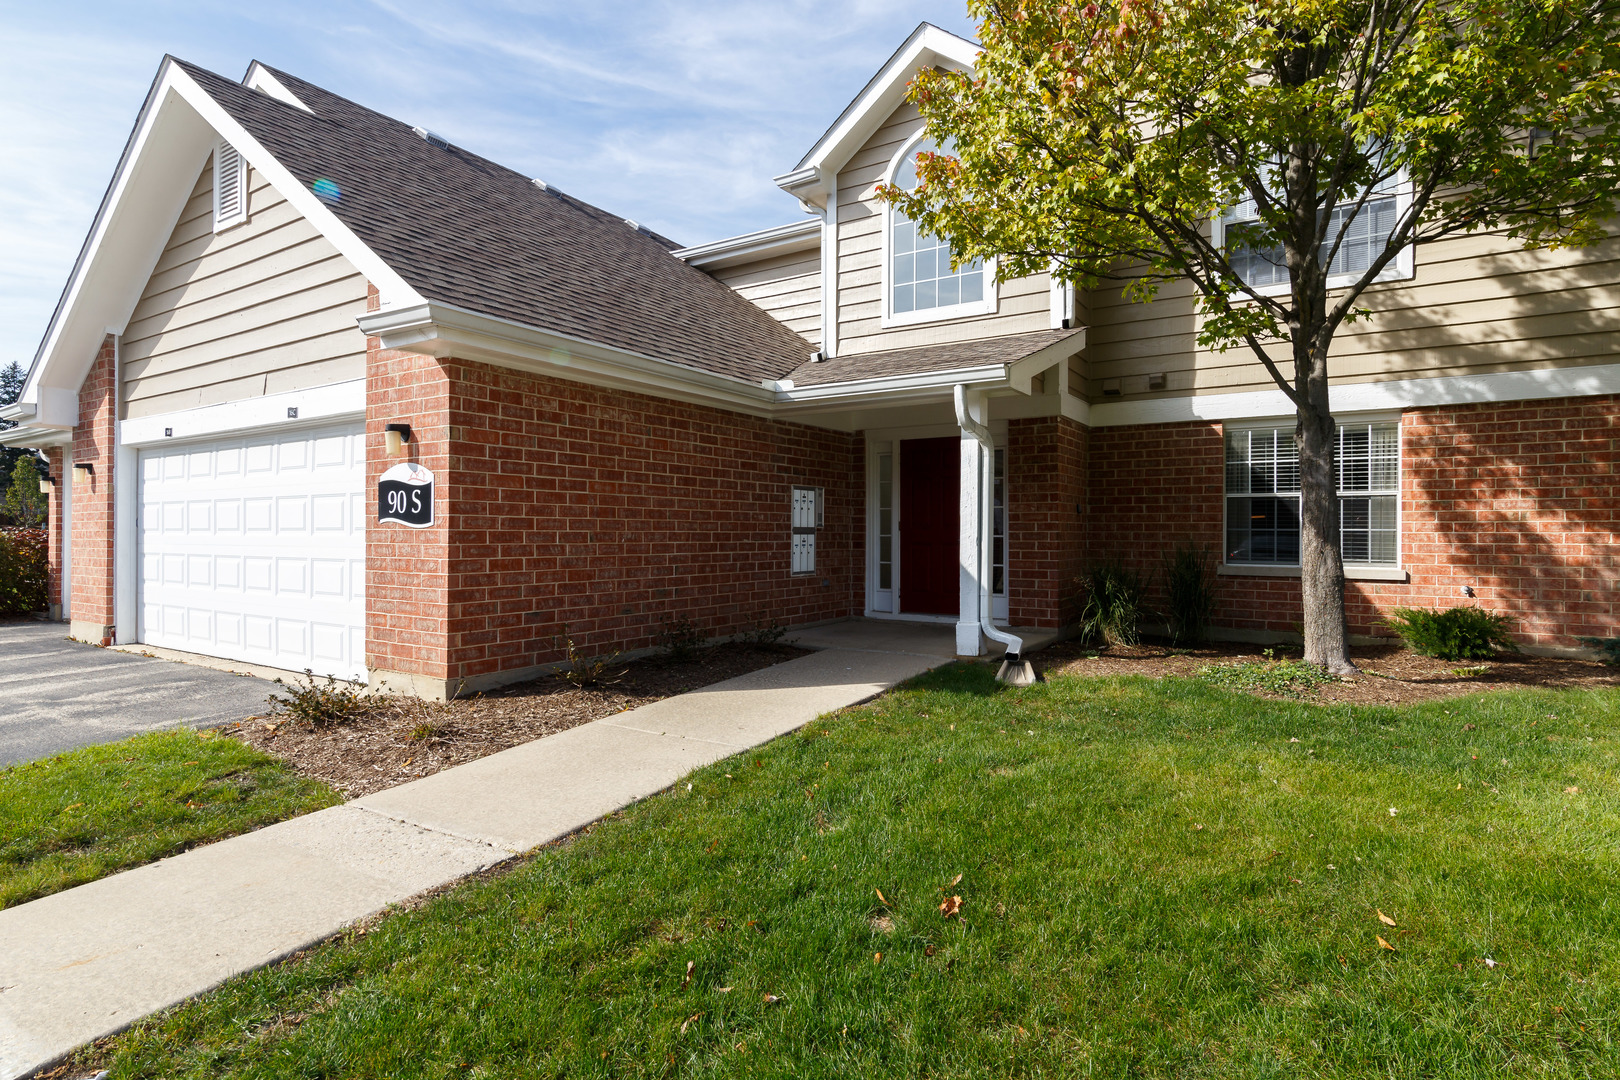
pixel 1108 138
pixel 11 386
pixel 25 504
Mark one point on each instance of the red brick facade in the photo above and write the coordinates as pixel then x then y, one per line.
pixel 53 530
pixel 1518 500
pixel 609 512
pixel 92 600
pixel 1046 493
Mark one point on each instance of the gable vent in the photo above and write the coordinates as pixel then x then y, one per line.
pixel 230 187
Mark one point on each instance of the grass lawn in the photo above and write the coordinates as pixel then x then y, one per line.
pixel 1158 879
pixel 88 813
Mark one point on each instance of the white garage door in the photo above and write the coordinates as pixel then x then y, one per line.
pixel 254 549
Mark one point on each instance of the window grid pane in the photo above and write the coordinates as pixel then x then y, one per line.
pixel 1262 505
pixel 921 278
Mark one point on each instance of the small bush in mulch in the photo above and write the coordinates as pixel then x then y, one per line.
pixel 318 704
pixel 1608 648
pixel 1459 633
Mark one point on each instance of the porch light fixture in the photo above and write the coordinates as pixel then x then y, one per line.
pixel 395 436
pixel 45 482
pixel 83 471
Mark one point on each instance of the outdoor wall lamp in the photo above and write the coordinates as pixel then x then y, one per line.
pixel 395 436
pixel 83 471
pixel 45 482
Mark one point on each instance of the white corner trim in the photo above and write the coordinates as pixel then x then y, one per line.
pixel 260 78
pixel 779 240
pixel 1392 394
pixel 333 401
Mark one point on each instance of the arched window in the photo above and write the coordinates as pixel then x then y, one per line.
pixel 920 284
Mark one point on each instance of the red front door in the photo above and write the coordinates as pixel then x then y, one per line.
pixel 929 472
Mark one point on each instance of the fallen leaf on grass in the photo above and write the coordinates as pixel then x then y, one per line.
pixel 1572 790
pixel 690 964
pixel 1385 919
pixel 1488 962
pixel 877 958
pixel 688 1022
pixel 881 897
pixel 955 881
pixel 951 906
pixel 770 999
pixel 1382 944
pixel 73 806
pixel 183 764
pixel 724 989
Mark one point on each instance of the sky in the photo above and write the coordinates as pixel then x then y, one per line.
pixel 675 114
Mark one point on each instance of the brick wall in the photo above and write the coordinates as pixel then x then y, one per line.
pixel 609 512
pixel 1046 492
pixel 1519 500
pixel 92 585
pixel 53 529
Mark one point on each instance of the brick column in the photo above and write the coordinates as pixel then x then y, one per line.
pixel 92 585
pixel 408 570
pixel 1046 487
pixel 53 533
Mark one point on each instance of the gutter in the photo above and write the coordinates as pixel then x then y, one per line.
pixel 987 443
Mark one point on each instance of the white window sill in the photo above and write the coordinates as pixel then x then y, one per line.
pixel 921 316
pixel 1351 572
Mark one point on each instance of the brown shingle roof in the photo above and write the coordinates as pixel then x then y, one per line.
pixel 927 358
pixel 465 231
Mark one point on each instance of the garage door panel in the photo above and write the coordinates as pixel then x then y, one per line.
pixel 276 577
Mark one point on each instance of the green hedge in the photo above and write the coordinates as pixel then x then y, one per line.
pixel 24 571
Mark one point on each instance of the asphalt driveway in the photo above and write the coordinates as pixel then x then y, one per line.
pixel 57 694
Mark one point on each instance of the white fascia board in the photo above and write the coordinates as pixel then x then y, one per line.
pixel 1392 394
pixel 392 289
pixel 780 240
pixel 928 46
pixel 20 410
pixel 173 135
pixel 1021 373
pixel 262 79
pixel 444 330
pixel 894 388
pixel 334 401
pixel 36 435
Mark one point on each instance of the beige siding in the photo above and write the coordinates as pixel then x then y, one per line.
pixel 265 307
pixel 1022 306
pixel 787 286
pixel 1476 304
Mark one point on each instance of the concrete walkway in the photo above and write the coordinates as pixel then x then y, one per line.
pixel 90 961
pixel 57 694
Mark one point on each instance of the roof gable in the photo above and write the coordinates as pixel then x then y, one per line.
pixel 815 177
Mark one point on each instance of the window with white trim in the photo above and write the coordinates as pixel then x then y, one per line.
pixel 230 186
pixel 1262 495
pixel 921 285
pixel 807 518
pixel 1365 232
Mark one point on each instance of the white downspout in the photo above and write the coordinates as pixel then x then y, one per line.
pixel 987 442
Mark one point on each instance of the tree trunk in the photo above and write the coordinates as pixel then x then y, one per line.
pixel 1321 569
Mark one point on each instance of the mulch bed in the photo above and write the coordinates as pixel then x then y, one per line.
pixel 1392 674
pixel 399 738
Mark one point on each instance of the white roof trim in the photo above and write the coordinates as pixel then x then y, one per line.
pixel 262 79
pixel 177 128
pixel 779 240
pixel 928 46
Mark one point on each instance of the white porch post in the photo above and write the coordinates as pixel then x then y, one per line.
pixel 970 502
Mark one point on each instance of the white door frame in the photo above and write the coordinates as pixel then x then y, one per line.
pixel 888 440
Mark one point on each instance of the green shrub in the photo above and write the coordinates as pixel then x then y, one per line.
pixel 1460 633
pixel 24 571
pixel 679 639
pixel 1113 606
pixel 1608 648
pixel 317 703
pixel 582 670
pixel 1190 592
pixel 761 635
